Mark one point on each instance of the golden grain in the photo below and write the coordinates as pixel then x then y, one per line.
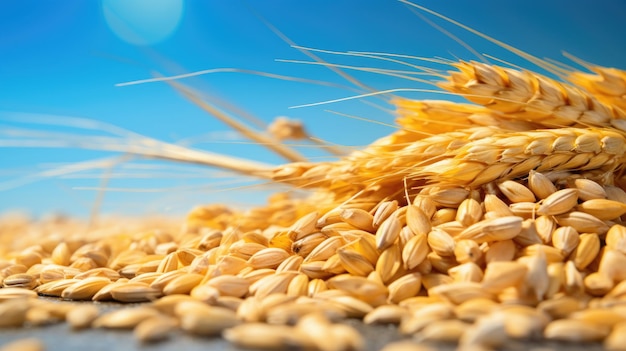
pixel 388 232
pixel 207 321
pixel 586 251
pixel 496 229
pixel 82 316
pixel 182 284
pixel 447 331
pixel 582 222
pixel 503 250
pixel 85 289
pixel 501 274
pixel 565 239
pixel 617 338
pixel 470 310
pixel 571 330
pixel 260 336
pixel 589 190
pixel 26 344
pixel 424 316
pixel 603 209
pixel 134 292
pixel 155 329
pixel 559 202
pixel 126 318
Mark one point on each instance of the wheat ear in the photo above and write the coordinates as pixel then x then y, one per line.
pixel 607 84
pixel 511 155
pixel 439 116
pixel 531 97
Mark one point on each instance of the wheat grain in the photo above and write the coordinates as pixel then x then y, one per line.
pixel 26 344
pixel 572 330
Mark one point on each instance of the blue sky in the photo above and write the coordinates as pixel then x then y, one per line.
pixel 62 58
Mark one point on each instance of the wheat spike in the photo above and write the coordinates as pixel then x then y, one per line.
pixel 530 97
pixel 607 84
pixel 511 155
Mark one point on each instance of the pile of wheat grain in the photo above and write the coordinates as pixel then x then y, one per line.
pixel 472 224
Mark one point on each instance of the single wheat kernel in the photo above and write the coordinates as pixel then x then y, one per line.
pixel 565 239
pixel 99 272
pixel 360 287
pixel 82 316
pixel 603 209
pixel 571 330
pixel 415 251
pixel 561 307
pixel 61 254
pixel 183 284
pixel 540 185
pixel 617 338
pixel 599 316
pixel 210 321
pixel 230 285
pixel 582 222
pixel 610 264
pixel 588 189
pixel 516 192
pixel 316 286
pixel 353 307
pixel 386 314
pixel 523 322
pixel 466 272
pixel 487 332
pixel 135 292
pixel 496 229
pixel 260 335
pixel 307 244
pixel 406 346
pixel 424 316
pixel 459 292
pixel 384 210
pixel 529 234
pixel 20 280
pixel 503 250
pixel 389 263
pixel 501 274
pixel 55 288
pixel 325 249
pixel 388 232
pixel 27 344
pixel 447 331
pixel 562 201
pixel 417 220
pixel 104 294
pixel 277 283
pixel 586 251
pixel 470 310
pixel 85 289
pixel 126 318
pixel 573 279
pixel 154 329
pixel 467 251
pixel 441 242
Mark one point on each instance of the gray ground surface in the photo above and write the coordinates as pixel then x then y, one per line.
pixel 60 337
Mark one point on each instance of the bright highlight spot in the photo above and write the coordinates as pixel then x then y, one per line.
pixel 143 22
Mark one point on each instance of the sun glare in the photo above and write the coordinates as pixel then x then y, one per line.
pixel 143 22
